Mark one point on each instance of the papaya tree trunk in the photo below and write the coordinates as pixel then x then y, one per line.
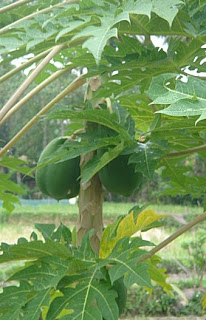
pixel 91 194
pixel 90 209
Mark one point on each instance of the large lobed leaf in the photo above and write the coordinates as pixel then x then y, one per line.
pixel 74 283
pixel 90 299
pixel 187 98
pixel 43 28
pixel 126 227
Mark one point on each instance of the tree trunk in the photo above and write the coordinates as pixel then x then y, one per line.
pixel 91 195
pixel 90 208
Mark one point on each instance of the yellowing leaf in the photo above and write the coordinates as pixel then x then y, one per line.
pixel 204 301
pixel 107 243
pixel 179 292
pixel 126 228
pixel 146 217
pixel 65 312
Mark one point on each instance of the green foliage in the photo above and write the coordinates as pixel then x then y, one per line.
pixel 196 252
pixel 8 189
pixel 105 39
pixel 121 290
pixel 71 281
pixel 186 99
pixel 159 303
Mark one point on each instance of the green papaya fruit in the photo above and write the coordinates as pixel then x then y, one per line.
pixel 58 180
pixel 121 290
pixel 120 177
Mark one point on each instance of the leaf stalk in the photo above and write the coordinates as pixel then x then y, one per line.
pixel 72 86
pixel 174 236
pixel 13 5
pixel 29 80
pixel 32 15
pixel 23 65
pixel 187 151
pixel 33 92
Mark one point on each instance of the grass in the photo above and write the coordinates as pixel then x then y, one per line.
pixel 21 221
pixel 111 209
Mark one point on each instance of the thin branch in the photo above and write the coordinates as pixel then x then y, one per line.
pixel 29 80
pixel 72 86
pixel 25 99
pixel 187 151
pixel 13 5
pixel 32 15
pixel 23 65
pixel 171 238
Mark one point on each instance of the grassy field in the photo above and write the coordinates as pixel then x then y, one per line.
pixel 21 222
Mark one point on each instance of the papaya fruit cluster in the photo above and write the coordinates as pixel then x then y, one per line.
pixel 60 180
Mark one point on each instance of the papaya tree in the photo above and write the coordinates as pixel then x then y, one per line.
pixel 142 66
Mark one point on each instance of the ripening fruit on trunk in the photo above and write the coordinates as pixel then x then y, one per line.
pixel 58 180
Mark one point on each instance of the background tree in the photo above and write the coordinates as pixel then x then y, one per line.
pixel 141 102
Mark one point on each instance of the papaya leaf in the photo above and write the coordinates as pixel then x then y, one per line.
pixel 127 226
pixel 9 200
pixel 159 276
pixel 33 308
pixel 174 171
pixel 124 118
pixel 33 250
pixel 102 117
pixel 7 192
pixel 44 274
pixel 157 86
pixel 185 99
pixel 180 293
pixel 14 298
pixel 45 229
pixel 204 301
pixel 138 7
pixel 15 164
pixel 97 162
pixel 62 234
pixel 166 9
pixel 73 25
pixel 8 185
pixel 146 157
pixel 99 35
pixel 90 299
pixel 124 259
pixel 139 109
